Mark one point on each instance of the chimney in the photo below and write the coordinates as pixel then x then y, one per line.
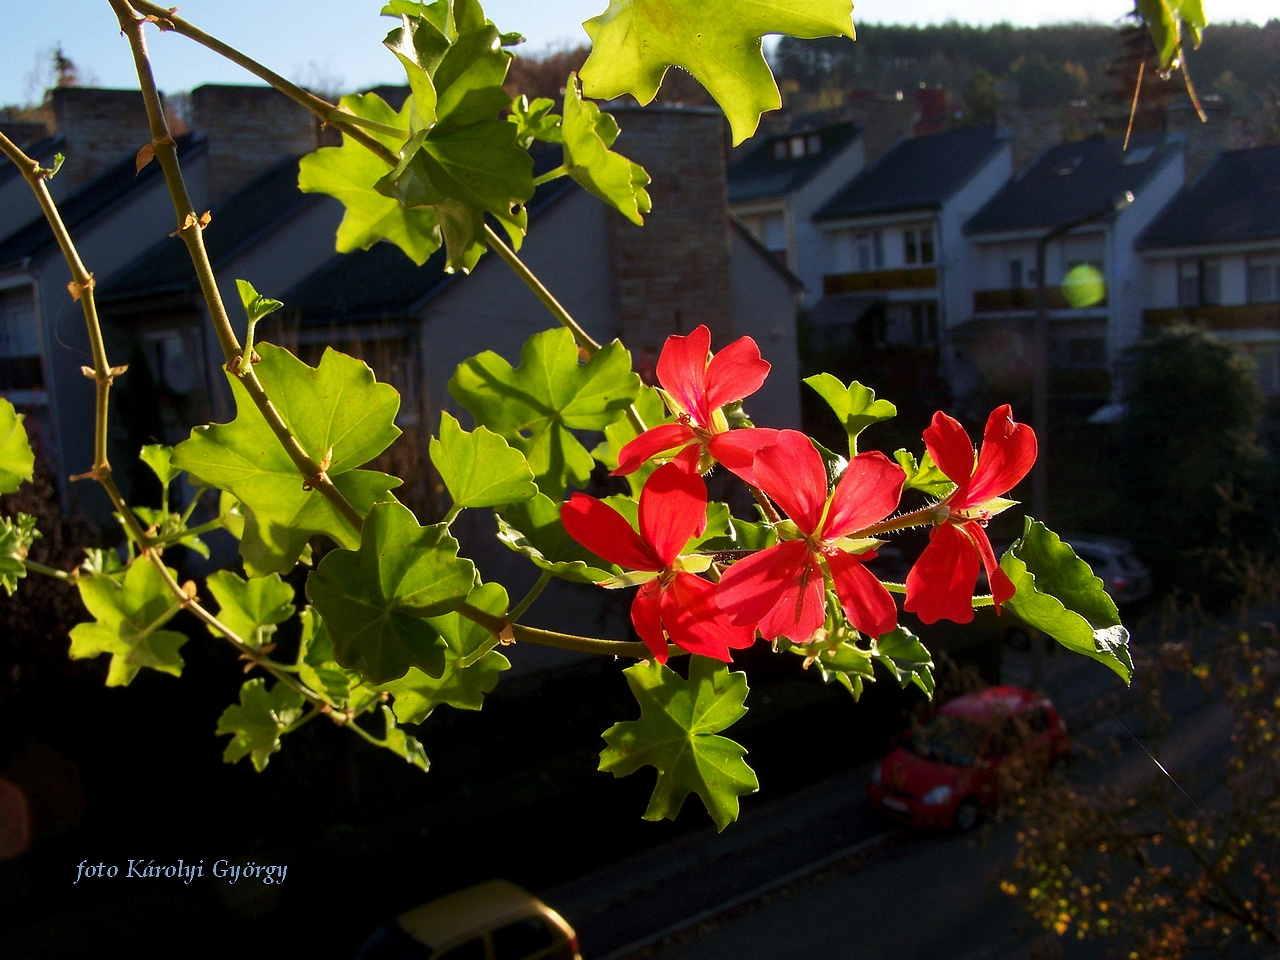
pixel 1204 140
pixel 249 130
pixel 931 110
pixel 100 128
pixel 673 273
pixel 885 119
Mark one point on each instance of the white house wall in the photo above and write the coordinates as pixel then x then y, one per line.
pixel 956 259
pixel 764 308
pixel 809 254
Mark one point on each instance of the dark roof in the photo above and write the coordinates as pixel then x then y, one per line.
pixel 1235 200
pixel 1073 180
pixel 381 283
pixel 915 174
pixel 42 150
pixel 237 222
pixel 87 202
pixel 756 174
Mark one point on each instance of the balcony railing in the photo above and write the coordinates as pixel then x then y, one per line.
pixel 1023 299
pixel 918 278
pixel 1245 316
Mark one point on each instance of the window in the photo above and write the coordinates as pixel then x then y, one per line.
pixel 910 251
pixel 521 939
pixel 924 324
pixel 863 244
pixel 1015 274
pixel 813 143
pixel 926 245
pixel 1264 280
pixel 1267 362
pixel 1199 282
pixel 1087 351
pixel 796 147
pixel 917 245
pixel 773 234
pixel 1211 281
pixel 780 149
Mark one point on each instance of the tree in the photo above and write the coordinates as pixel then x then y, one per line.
pixel 981 98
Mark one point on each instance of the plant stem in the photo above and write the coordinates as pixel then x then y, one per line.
pixel 916 518
pixel 47 571
pixel 515 612
pixel 981 600
pixel 301 721
pixel 560 171
pixel 765 505
pixel 451 515
pixel 191 229
pixel 363 733
pixel 181 535
pixel 563 641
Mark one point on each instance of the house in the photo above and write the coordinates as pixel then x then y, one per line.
pixel 1213 257
pixel 1068 182
pixel 894 251
pixel 779 180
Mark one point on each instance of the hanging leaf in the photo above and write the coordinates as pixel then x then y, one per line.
pixel 17 461
pixel 128 617
pixel 718 41
pixel 587 135
pixel 1165 20
pixel 480 469
pixel 257 722
pixel 400 743
pixel 676 734
pixel 533 528
pixel 316 666
pixel 906 657
pixel 16 536
pixel 375 600
pixel 338 412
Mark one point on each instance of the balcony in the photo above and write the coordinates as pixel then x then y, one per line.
pixel 918 278
pixel 1022 299
pixel 1245 316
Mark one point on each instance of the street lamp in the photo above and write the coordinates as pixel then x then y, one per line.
pixel 1040 354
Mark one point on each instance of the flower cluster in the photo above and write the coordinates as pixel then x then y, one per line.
pixel 828 535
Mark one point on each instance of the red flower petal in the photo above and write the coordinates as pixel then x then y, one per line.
pixel 801 609
pixel 682 371
pixel 940 584
pixel 606 533
pixel 951 449
pixel 1008 451
pixel 1002 587
pixel 750 588
pixel 792 473
pixel 646 617
pixel 673 510
pixel 868 491
pixel 737 449
pixel 735 372
pixel 649 444
pixel 695 622
pixel 866 602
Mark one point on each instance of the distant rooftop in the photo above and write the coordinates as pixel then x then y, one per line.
pixel 774 165
pixel 91 199
pixel 1235 200
pixel 1072 180
pixel 919 173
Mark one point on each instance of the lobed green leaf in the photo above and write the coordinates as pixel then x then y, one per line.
pixel 16 536
pixel 855 406
pixel 480 469
pixel 128 616
pixel 251 610
pixel 258 720
pixel 587 135
pixel 17 461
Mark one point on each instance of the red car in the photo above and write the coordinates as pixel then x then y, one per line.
pixel 978 748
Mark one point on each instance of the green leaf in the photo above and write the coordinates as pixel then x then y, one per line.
pixel 719 521
pixel 317 669
pixel 251 610
pixel 743 535
pixel 103 562
pixel 337 411
pixel 533 528
pixel 718 41
pixel 587 135
pixel 1165 20
pixel 906 657
pixel 157 457
pixel 399 742
pixel 1058 594
pixel 256 306
pixel 622 431
pixel 17 461
pixel 256 723
pixel 374 600
pixel 128 616
pixel 924 475
pixel 534 120
pixel 676 734
pixel 470 671
pixel 16 536
pixel 837 657
pixel 350 173
pixel 855 406
pixel 480 469
pixel 537 405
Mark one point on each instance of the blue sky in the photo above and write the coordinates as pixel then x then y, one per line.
pixel 340 40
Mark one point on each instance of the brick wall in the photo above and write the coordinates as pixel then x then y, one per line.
pixel 673 273
pixel 249 130
pixel 101 128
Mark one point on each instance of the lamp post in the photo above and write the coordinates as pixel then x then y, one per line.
pixel 1040 353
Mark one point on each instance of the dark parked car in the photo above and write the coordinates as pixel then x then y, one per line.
pixel 978 748
pixel 1126 578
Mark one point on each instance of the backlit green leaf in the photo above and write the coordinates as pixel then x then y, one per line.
pixel 336 410
pixel 128 616
pixel 157 457
pixel 321 673
pixel 257 721
pixel 251 610
pixel 255 305
pixel 533 528
pixel 1166 20
pixel 1058 593
pixel 587 135
pixel 837 657
pixel 855 406
pixel 718 41
pixel 17 461
pixel 480 469
pixel 676 734
pixel 534 120
pixel 16 536
pixel 923 475
pixel 469 672
pixel 906 657
pixel 622 431
pixel 537 405
pixel 399 742
pixel 375 600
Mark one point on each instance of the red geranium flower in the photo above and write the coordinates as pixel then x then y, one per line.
pixel 781 589
pixel 672 602
pixel 697 385
pixel 942 580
